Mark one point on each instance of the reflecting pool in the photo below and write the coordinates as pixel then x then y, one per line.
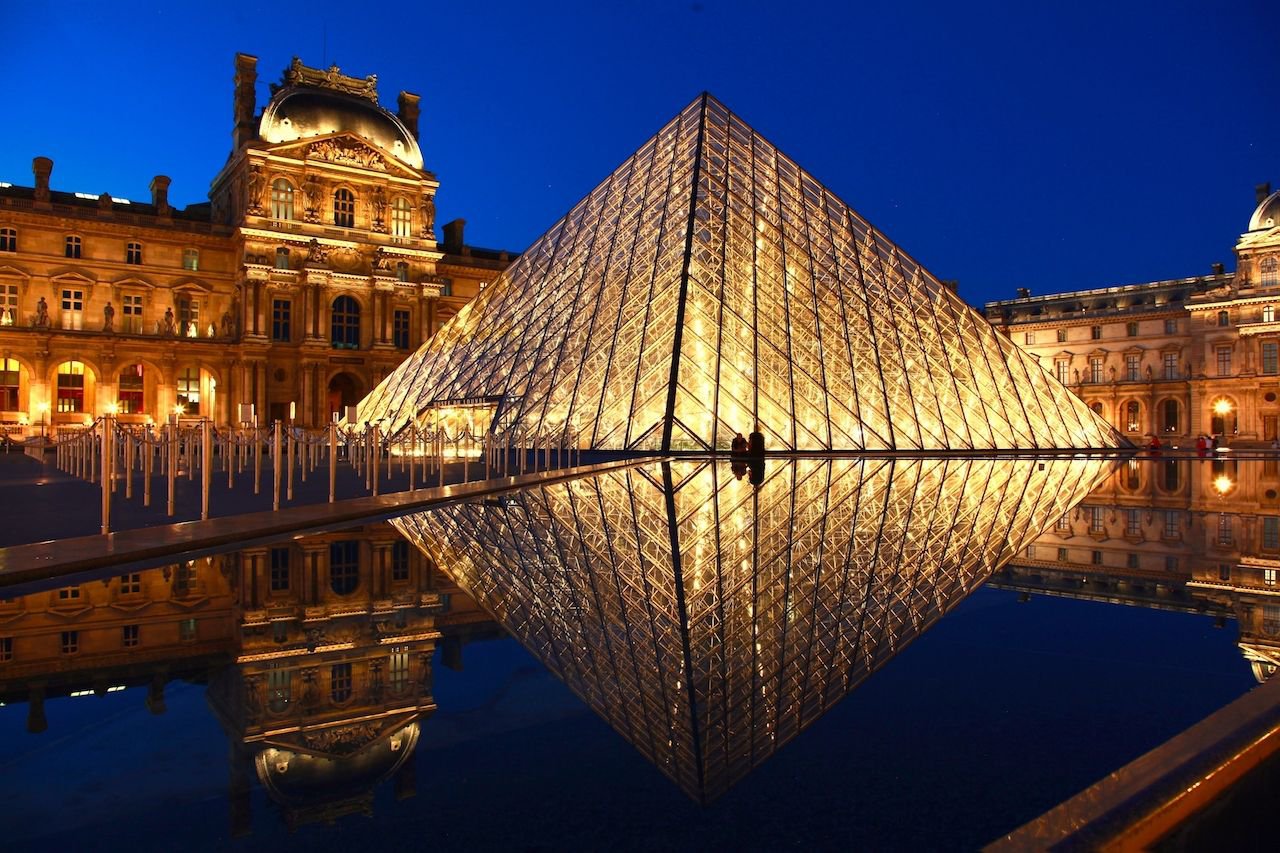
pixel 963 643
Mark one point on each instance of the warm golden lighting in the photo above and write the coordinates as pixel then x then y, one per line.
pixel 569 568
pixel 113 409
pixel 1223 484
pixel 1222 407
pixel 846 345
pixel 42 407
pixel 179 410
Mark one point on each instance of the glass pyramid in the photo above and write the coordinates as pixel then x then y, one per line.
pixel 709 621
pixel 709 285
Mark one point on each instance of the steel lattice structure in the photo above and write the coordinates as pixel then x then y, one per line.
pixel 710 621
pixel 710 284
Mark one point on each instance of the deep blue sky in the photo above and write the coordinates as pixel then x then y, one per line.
pixel 1055 146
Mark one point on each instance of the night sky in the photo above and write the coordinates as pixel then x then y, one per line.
pixel 1072 146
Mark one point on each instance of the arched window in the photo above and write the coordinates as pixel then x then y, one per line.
pixel 1224 318
pixel 401 218
pixel 281 199
pixel 71 386
pixel 189 390
pixel 344 566
pixel 1270 269
pixel 346 323
pixel 344 208
pixel 1132 411
pixel 129 398
pixel 9 376
pixel 1170 415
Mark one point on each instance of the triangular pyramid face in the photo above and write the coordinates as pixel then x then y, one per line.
pixel 710 285
pixel 709 620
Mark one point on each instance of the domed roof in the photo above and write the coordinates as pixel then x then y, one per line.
pixel 1268 213
pixel 299 112
pixel 297 778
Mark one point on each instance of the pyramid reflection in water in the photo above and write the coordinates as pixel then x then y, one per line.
pixel 708 285
pixel 710 621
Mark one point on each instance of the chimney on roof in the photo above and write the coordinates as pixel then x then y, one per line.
pixel 409 111
pixel 160 195
pixel 42 168
pixel 1217 268
pixel 453 236
pixel 1024 293
pixel 245 100
pixel 1262 192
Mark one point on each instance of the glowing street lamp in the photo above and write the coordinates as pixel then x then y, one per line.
pixel 43 408
pixel 1222 408
pixel 1223 484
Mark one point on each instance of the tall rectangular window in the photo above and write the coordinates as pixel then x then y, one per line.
pixel 1095 370
pixel 1170 326
pixel 1062 369
pixel 8 304
pixel 6 649
pixel 72 308
pixel 71 386
pixel 70 642
pixel 187 630
pixel 279 569
pixel 401 218
pixel 1172 524
pixel 10 376
pixel 400 561
pixel 1132 364
pixel 1133 523
pixel 71 246
pixel 133 253
pixel 1029 338
pixel 8 240
pixel 1171 365
pixel 400 329
pixel 131 308
pixel 188 317
pixel 281 310
pixel 1224 529
pixel 1224 361
pixel 340 682
pixel 398 668
pixel 1062 336
pixel 1097 519
pixel 189 390
pixel 1270 357
pixel 1269 577
pixel 191 259
pixel 1131 329
pixel 1271 532
pixel 279 687
pixel 129 636
pixel 1095 332
pixel 131 392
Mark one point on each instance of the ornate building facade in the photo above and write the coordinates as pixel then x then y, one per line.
pixel 313 270
pixel 1176 358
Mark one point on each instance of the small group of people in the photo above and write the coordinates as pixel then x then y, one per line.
pixel 747 455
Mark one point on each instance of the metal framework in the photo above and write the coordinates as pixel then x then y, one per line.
pixel 710 621
pixel 709 285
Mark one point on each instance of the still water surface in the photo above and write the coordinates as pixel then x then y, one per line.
pixel 664 657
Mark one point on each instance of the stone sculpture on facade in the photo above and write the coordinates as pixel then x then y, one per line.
pixel 42 314
pixel 108 317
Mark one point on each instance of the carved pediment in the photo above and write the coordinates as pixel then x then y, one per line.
pixel 134 282
pixel 74 276
pixel 8 271
pixel 345 149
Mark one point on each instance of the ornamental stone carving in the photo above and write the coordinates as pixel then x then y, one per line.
pixel 298 74
pixel 346 151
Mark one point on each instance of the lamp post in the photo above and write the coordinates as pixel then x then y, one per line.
pixel 44 417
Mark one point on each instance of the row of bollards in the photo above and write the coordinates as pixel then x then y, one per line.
pixel 109 452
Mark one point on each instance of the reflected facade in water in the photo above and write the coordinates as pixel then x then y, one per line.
pixel 1200 535
pixel 318 655
pixel 709 620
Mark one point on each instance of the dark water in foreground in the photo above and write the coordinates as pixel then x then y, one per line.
pixel 970 726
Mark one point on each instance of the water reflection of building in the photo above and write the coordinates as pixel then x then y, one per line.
pixel 1199 535
pixel 318 654
pixel 708 620
pixel 1174 358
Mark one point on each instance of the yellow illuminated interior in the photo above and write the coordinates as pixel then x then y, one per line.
pixel 709 285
